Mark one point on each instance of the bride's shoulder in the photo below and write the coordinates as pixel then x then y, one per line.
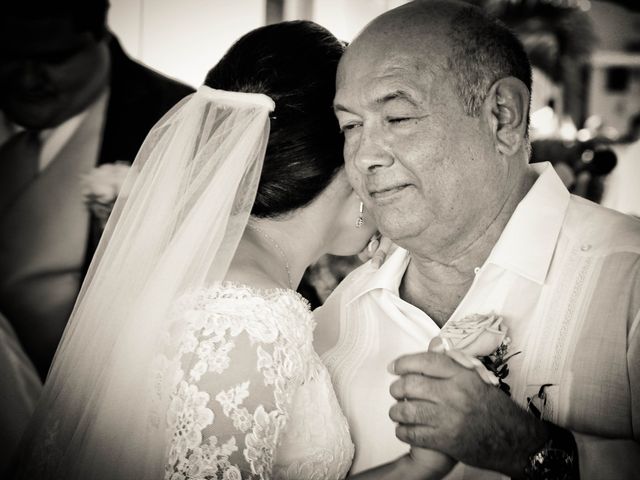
pixel 230 308
pixel 234 297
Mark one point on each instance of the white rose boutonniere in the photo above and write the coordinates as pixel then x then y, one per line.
pixel 481 337
pixel 101 188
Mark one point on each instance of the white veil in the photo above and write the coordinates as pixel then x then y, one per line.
pixel 176 226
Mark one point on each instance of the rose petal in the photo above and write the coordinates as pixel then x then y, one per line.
pixel 485 343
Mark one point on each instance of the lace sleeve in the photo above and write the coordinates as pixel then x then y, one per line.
pixel 239 369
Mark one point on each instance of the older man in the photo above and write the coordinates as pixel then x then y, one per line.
pixel 433 99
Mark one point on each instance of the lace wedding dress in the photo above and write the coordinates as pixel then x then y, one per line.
pixel 251 398
pixel 220 383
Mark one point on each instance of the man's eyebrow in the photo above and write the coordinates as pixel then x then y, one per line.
pixel 396 95
pixel 387 97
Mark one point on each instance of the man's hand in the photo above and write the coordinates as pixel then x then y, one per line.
pixel 447 407
pixel 376 250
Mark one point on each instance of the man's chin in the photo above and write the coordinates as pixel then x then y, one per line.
pixel 398 232
pixel 34 118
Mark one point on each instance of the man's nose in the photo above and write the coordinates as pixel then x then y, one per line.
pixel 372 152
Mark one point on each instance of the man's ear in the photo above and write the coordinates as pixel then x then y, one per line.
pixel 507 107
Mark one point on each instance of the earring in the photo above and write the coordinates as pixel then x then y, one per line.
pixel 360 219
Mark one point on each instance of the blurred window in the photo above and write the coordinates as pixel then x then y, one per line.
pixel 618 79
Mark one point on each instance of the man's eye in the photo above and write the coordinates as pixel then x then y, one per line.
pixel 349 126
pixel 398 119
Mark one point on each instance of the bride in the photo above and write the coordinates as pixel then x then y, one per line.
pixel 188 354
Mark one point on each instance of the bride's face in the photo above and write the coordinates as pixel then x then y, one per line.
pixel 344 205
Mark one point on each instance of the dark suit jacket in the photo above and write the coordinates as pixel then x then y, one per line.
pixel 138 98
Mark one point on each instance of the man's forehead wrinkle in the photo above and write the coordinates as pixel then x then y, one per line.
pixel 399 80
pixel 374 82
pixel 397 45
pixel 397 68
pixel 420 48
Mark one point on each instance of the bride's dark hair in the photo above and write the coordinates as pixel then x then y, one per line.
pixel 295 64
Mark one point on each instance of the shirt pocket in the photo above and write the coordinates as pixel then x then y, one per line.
pixel 543 400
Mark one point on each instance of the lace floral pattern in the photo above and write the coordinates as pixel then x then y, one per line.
pixel 245 361
pixel 187 417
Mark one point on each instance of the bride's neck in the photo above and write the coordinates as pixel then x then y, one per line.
pixel 275 253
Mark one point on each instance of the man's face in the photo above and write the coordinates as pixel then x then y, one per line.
pixel 49 72
pixel 420 164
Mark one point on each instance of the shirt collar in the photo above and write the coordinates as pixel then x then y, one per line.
pixel 525 246
pixel 388 276
pixel 7 128
pixel 528 241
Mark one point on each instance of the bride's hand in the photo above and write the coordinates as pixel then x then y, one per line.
pixel 436 463
pixel 431 463
pixel 418 464
pixel 376 250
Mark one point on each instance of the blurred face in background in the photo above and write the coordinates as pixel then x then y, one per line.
pixel 49 71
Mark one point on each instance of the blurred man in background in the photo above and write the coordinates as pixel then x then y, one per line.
pixel 70 99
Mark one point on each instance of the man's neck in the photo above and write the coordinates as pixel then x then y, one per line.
pixel 437 283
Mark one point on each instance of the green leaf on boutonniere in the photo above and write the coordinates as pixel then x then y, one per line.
pixel 497 364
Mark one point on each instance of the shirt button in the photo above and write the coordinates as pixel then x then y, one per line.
pixel 476 270
pixel 586 247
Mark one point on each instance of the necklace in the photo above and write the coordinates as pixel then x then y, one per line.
pixel 270 239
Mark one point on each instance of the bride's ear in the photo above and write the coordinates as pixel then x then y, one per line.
pixel 507 107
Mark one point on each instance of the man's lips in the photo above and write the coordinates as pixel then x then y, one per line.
pixel 386 193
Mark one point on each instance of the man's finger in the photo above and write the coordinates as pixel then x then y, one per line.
pixel 461 358
pixel 382 249
pixel 414 386
pixel 417 435
pixel 430 364
pixel 367 253
pixel 414 412
pixel 472 363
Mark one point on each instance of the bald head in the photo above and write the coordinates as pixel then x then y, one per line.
pixel 414 22
pixel 417 29
pixel 447 37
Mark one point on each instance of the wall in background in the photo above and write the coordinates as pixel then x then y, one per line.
pixel 614 26
pixel 614 81
pixel 345 18
pixel 183 39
